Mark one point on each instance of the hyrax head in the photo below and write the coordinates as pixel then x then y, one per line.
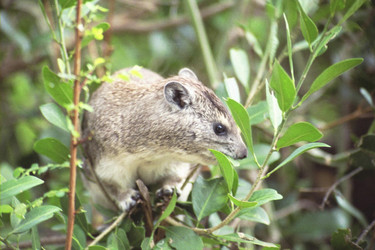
pixel 204 122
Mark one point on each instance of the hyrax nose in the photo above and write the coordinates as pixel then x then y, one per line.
pixel 242 152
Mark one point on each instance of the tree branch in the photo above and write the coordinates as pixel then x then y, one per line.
pixel 75 120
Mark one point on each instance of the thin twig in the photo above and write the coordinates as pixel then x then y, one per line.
pixel 333 187
pixel 75 121
pixel 365 232
pixel 108 229
pixel 122 24
pixel 212 71
pixel 356 114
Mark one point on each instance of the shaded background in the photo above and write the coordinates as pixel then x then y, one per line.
pixel 157 34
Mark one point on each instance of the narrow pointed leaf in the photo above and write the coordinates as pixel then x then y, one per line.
pixel 353 8
pixel 256 214
pixel 242 204
pixel 283 87
pixel 331 73
pixel 258 112
pixel 289 43
pixel 54 115
pixel 169 209
pixel 273 109
pixel 245 238
pixel 296 153
pixel 302 131
pixel 241 65
pixel 226 169
pixel 16 186
pixel 232 89
pixel 34 217
pixel 322 46
pixel 53 149
pixel 308 27
pixel 242 119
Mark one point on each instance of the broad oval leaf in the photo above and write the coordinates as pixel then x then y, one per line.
pixel 241 65
pixel 230 175
pixel 60 91
pixel 258 112
pixel 283 87
pixel 308 27
pixel 36 216
pixel 242 119
pixel 296 153
pixel 15 186
pixel 53 149
pixel 265 195
pixel 302 131
pixel 54 115
pixel 242 204
pixel 256 214
pixel 183 238
pixel 331 73
pixel 208 196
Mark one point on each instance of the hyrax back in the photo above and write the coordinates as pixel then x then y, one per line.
pixel 154 129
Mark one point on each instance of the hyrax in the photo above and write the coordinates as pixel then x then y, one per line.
pixel 154 129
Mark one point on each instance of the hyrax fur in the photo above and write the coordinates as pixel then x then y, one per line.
pixel 154 129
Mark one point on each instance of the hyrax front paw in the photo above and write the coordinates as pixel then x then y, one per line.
pixel 128 199
pixel 167 191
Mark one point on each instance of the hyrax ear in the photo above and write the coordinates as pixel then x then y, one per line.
pixel 177 95
pixel 188 73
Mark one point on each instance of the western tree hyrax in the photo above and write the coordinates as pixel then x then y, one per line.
pixel 154 129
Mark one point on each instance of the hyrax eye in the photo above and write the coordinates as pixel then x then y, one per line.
pixel 220 129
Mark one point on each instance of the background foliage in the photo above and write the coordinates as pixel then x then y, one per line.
pixel 158 35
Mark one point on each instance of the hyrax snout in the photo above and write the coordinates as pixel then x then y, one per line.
pixel 154 129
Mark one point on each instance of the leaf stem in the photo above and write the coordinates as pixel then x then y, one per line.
pixel 209 61
pixel 75 120
pixel 64 52
pixel 263 64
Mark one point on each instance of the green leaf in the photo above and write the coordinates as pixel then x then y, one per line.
pixel 53 149
pixel 232 88
pixel 253 42
pixel 242 204
pixel 256 214
pixel 169 209
pixel 245 238
pixel 289 43
pixel 241 65
pixel 146 244
pixel 60 91
pixel 347 206
pixel 34 217
pixel 296 153
pixel 274 110
pixel 35 239
pixel 261 151
pixel 5 209
pixel 242 119
pixel 54 115
pixel 208 196
pixel 353 8
pixel 265 195
pixel 96 32
pixel 302 131
pixel 322 46
pixel 183 238
pixel 228 172
pixel 335 5
pixel 79 237
pixel 367 96
pixel 331 73
pixel 283 87
pixel 258 112
pixel 15 186
pixel 308 27
pixel 342 239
